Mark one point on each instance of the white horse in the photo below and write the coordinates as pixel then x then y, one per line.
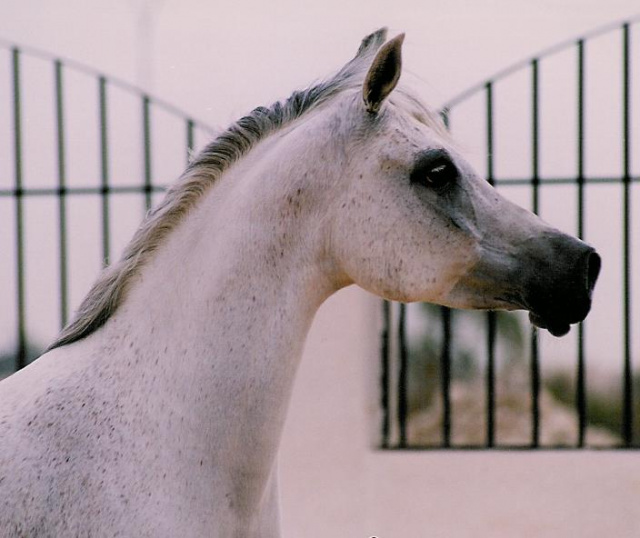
pixel 158 410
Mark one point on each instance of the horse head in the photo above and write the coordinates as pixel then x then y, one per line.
pixel 415 222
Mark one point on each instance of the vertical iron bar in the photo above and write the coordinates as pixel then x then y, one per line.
pixel 535 389
pixel 491 379
pixel 190 140
pixel 490 145
pixel 62 205
pixel 581 393
pixel 535 134
pixel 535 182
pixel 491 316
pixel 104 171
pixel 628 415
pixel 21 358
pixel 445 352
pixel 445 367
pixel 402 377
pixel 384 377
pixel 146 128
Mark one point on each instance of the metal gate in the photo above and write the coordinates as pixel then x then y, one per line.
pixel 555 133
pixel 81 156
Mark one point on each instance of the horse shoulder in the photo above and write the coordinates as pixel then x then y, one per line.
pixel 45 473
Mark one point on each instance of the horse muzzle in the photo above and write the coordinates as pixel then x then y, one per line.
pixel 559 281
pixel 550 274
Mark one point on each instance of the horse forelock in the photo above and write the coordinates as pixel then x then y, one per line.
pixel 111 287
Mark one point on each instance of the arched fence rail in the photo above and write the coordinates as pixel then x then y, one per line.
pixel 406 424
pixel 136 178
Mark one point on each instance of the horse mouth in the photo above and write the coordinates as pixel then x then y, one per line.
pixel 555 327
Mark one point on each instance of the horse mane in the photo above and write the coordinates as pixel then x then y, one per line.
pixel 112 285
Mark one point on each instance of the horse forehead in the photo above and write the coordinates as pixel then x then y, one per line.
pixel 403 142
pixel 406 128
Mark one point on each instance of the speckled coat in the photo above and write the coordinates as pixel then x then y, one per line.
pixel 158 411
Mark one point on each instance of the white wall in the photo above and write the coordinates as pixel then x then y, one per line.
pixel 333 483
pixel 218 62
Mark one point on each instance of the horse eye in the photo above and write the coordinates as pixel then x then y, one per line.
pixel 436 175
pixel 436 172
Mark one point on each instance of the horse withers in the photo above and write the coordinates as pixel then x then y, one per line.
pixel 158 410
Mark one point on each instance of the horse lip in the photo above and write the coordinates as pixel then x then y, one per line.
pixel 556 328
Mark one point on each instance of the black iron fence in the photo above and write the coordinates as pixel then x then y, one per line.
pixel 112 143
pixel 449 379
pixel 569 158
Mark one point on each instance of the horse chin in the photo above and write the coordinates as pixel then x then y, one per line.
pixel 555 327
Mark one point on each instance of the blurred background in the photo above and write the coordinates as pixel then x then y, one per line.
pixel 105 100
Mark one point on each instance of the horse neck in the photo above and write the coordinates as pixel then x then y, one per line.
pixel 215 325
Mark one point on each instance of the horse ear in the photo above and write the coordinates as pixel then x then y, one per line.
pixel 383 74
pixel 372 41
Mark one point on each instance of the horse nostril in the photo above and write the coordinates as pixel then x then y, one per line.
pixel 593 270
